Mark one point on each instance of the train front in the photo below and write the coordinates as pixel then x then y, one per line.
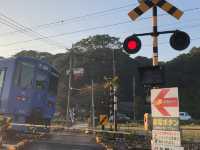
pixel 33 95
pixel 44 97
pixel 49 107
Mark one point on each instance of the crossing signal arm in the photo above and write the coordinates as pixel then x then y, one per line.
pixel 179 40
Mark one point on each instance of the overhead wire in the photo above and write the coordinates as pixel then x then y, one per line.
pixel 84 30
pixel 5 20
pixel 86 15
pixel 87 29
pixel 73 19
pixel 163 25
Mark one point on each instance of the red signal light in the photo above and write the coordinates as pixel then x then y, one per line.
pixel 132 44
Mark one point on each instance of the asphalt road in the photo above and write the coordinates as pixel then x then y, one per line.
pixel 66 142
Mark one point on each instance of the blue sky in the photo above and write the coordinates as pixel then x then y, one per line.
pixel 32 13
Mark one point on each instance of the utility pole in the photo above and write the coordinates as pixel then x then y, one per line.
pixel 93 109
pixel 113 59
pixel 69 85
pixel 114 93
pixel 115 108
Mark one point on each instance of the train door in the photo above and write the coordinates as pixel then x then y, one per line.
pixel 40 96
pixel 22 90
pixel 52 93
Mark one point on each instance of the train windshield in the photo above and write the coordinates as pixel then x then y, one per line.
pixel 53 82
pixel 2 77
pixel 41 81
pixel 24 74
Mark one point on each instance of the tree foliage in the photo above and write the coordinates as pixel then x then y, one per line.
pixel 98 42
pixel 95 55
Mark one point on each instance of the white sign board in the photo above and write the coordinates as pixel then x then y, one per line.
pixel 166 138
pixel 162 147
pixel 165 102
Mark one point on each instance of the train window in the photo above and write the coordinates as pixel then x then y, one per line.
pixel 24 74
pixel 53 82
pixel 41 80
pixel 2 77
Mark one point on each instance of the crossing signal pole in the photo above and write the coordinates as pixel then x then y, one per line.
pixel 155 36
pixel 93 106
pixel 179 41
pixel 112 84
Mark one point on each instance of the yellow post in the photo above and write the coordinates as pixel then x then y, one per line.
pixel 146 124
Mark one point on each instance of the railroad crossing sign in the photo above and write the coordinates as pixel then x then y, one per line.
pixel 145 5
pixel 103 119
pixel 164 102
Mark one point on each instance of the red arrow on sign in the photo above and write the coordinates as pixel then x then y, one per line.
pixel 161 102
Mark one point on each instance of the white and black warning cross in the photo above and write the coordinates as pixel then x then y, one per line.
pixel 145 5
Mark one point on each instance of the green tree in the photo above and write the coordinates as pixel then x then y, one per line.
pixel 98 42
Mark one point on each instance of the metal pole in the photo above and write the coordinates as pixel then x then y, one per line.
pixel 69 86
pixel 111 102
pixel 113 58
pixel 115 108
pixel 155 37
pixel 93 109
pixel 114 92
pixel 134 102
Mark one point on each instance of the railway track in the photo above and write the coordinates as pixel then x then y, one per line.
pixel 136 139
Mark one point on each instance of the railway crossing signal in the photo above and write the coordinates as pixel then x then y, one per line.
pixel 132 44
pixel 164 103
pixel 179 40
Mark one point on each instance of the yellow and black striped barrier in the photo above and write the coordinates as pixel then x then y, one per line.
pixel 169 8
pixel 146 5
pixel 18 146
pixel 4 125
pixel 141 9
